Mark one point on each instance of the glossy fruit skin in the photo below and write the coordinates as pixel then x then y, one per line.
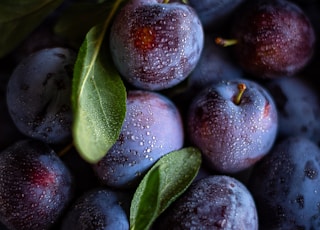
pixel 35 186
pixel 286 184
pixel 298 107
pixel 215 64
pixel 152 128
pixel 214 202
pixel 232 137
pixel 99 209
pixel 275 38
pixel 154 45
pixel 39 92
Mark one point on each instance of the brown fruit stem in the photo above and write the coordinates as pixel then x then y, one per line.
pixel 65 149
pixel 225 42
pixel 241 87
pixel 168 1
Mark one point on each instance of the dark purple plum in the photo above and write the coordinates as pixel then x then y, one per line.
pixel 275 38
pixel 39 92
pixel 98 209
pixel 234 124
pixel 8 131
pixel 43 37
pixel 215 64
pixel 35 186
pixel 286 184
pixel 214 202
pixel 151 129
pixel 298 107
pixel 214 13
pixel 156 45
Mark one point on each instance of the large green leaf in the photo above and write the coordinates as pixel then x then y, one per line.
pixel 163 183
pixel 98 96
pixel 18 18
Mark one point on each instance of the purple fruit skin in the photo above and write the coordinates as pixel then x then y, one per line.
pixel 35 186
pixel 214 65
pixel 38 95
pixel 99 209
pixel 155 46
pixel 214 202
pixel 286 184
pixel 298 107
pixel 214 13
pixel 232 137
pixel 275 39
pixel 152 128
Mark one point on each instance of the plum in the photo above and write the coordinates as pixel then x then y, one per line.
pixel 152 128
pixel 35 186
pixel 213 13
pixel 298 107
pixel 98 209
pixel 214 65
pixel 156 45
pixel 285 185
pixel 213 202
pixel 234 124
pixel 275 38
pixel 39 92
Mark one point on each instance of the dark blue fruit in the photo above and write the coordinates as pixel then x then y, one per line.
pixel 214 202
pixel 151 129
pixel 213 13
pixel 38 95
pixel 98 209
pixel 35 186
pixel 298 107
pixel 286 185
pixel 215 64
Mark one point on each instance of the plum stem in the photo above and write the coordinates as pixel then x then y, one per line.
pixel 241 87
pixel 65 149
pixel 225 42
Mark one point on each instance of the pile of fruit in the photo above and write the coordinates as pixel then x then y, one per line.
pixel 159 114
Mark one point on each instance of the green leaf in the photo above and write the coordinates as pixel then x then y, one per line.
pixel 19 18
pixel 98 96
pixel 79 18
pixel 163 184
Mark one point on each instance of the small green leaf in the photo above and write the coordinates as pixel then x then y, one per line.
pixel 98 96
pixel 163 184
pixel 19 18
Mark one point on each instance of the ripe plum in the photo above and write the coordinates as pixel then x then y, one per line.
pixel 98 209
pixel 152 128
pixel 39 92
pixel 35 186
pixel 155 45
pixel 214 202
pixel 275 38
pixel 298 107
pixel 234 123
pixel 285 185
